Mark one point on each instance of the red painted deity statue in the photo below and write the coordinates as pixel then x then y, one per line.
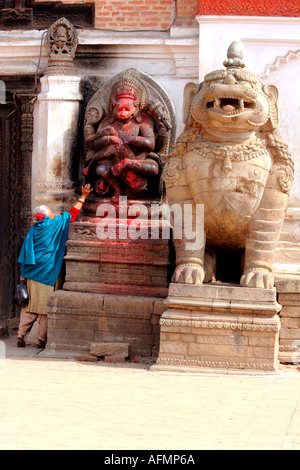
pixel 123 145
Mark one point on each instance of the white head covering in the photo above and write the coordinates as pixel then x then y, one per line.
pixel 43 209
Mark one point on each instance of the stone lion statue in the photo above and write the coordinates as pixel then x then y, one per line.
pixel 231 159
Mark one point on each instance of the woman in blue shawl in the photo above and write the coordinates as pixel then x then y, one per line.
pixel 41 259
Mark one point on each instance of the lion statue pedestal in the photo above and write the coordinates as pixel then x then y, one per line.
pixel 230 159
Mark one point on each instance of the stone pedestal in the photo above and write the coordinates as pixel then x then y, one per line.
pixel 113 291
pixel 288 289
pixel 76 320
pixel 219 327
pixel 123 266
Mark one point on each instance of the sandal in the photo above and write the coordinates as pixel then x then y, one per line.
pixel 21 343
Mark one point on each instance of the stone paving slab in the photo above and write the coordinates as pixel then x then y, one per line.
pixel 60 403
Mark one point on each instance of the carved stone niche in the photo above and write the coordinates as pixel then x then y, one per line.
pixel 129 129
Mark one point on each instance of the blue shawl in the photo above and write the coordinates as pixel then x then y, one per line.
pixel 43 249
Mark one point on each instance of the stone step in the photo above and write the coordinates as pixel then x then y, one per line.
pixel 112 352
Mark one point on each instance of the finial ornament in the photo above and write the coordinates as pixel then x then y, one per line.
pixel 61 42
pixel 235 55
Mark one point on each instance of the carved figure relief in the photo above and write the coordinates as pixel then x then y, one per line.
pixel 129 125
pixel 232 159
pixel 61 43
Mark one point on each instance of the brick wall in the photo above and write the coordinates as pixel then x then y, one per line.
pixel 187 8
pixel 134 14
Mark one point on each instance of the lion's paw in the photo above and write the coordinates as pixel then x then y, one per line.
pixel 188 273
pixel 257 277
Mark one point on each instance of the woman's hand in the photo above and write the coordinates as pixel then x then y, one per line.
pixel 85 191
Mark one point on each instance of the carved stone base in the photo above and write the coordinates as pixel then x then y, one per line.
pixel 122 265
pixel 76 320
pixel 113 290
pixel 288 289
pixel 220 327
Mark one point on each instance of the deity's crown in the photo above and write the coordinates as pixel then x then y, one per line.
pixel 127 87
pixel 125 93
